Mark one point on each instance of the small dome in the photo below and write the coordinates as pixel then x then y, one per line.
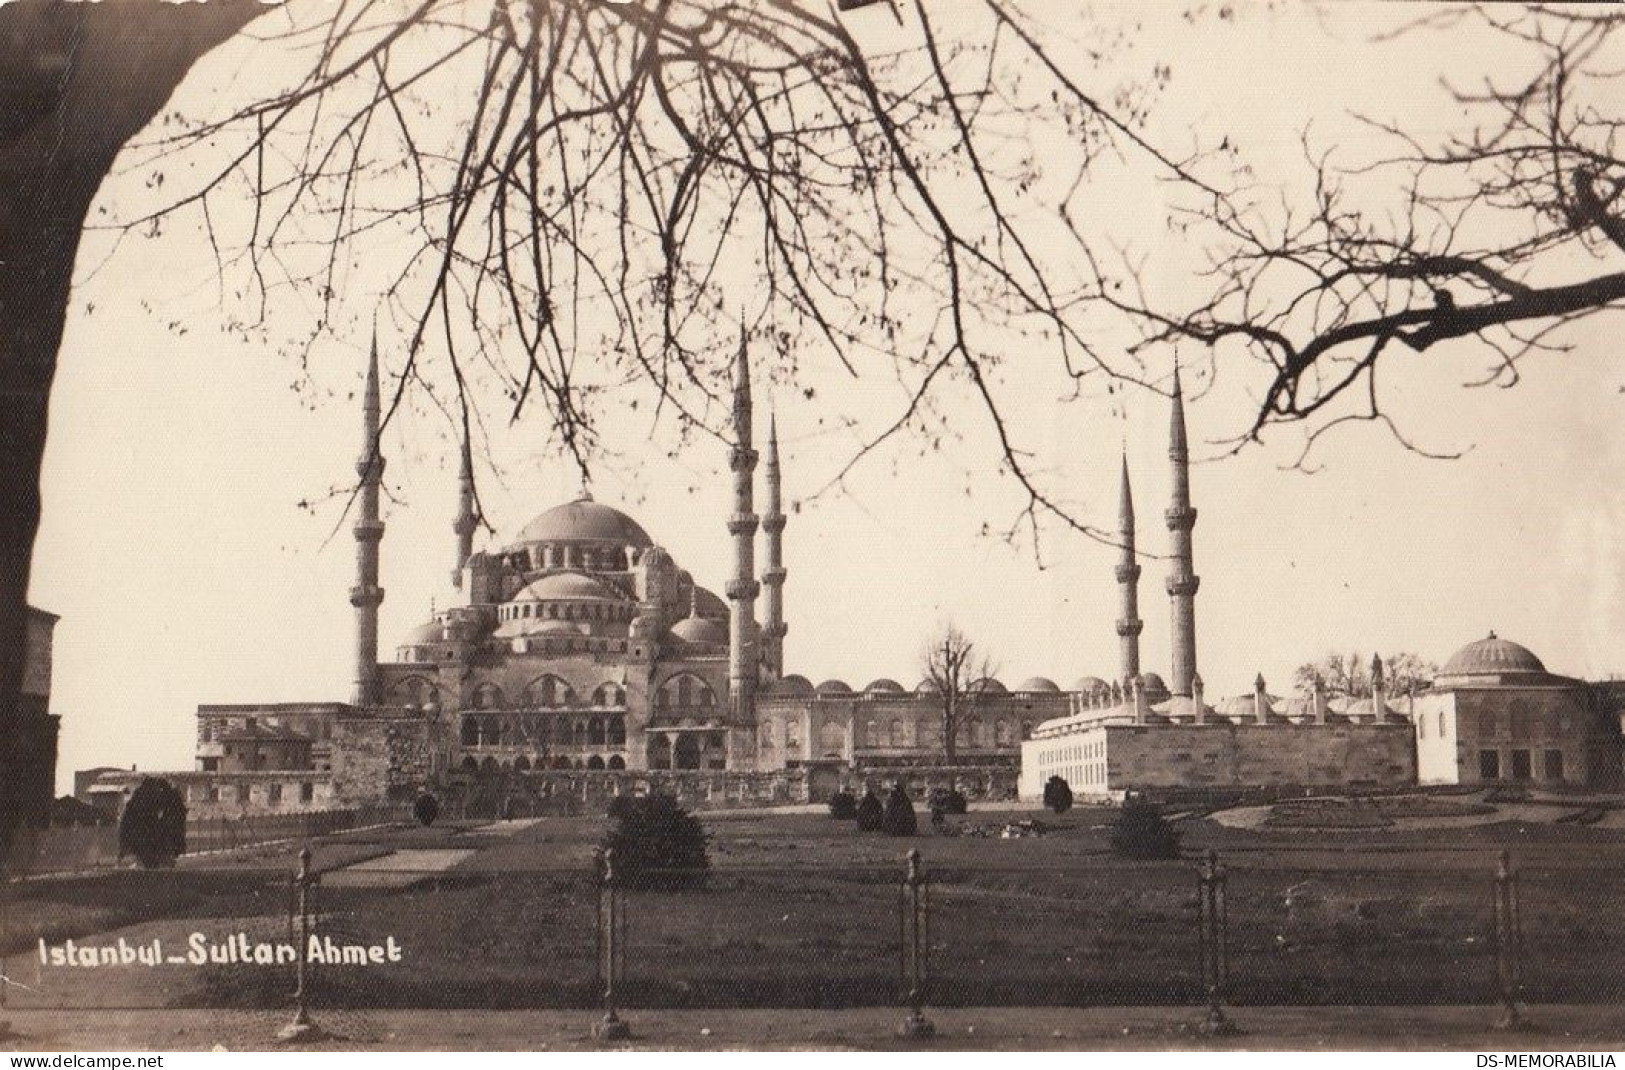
pixel 645 626
pixel 1153 684
pixel 550 627
pixel 926 687
pixel 583 520
pixel 834 687
pixel 987 685
pixel 700 630
pixel 569 587
pixel 1037 683
pixel 1090 685
pixel 428 634
pixel 1492 657
pixel 890 687
pixel 791 685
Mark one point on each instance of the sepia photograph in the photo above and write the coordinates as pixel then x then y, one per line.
pixel 812 525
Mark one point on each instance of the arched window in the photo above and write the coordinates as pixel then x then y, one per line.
pixel 595 762
pixel 521 764
pixel 1001 733
pixel 834 740
pixel 471 732
pixel 488 697
pixel 595 732
pixel 897 734
pixel 1026 730
pixel 765 733
pixel 685 691
pixel 578 733
pixel 610 694
pixel 871 734
pixel 616 762
pixel 470 765
pixel 549 692
pixel 617 731
pixel 792 734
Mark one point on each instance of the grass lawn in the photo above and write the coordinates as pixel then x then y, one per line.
pixel 801 910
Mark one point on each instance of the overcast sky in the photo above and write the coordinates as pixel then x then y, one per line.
pixel 185 570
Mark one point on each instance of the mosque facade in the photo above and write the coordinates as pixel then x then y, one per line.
pixel 581 653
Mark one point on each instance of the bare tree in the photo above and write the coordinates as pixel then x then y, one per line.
pixel 568 189
pixel 1499 232
pixel 956 671
pixel 1350 674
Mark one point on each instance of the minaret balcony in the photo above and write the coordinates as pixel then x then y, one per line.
pixel 1130 627
pixel 368 530
pixel 773 523
pixel 366 596
pixel 774 577
pixel 743 459
pixel 742 589
pixel 742 524
pixel 1128 573
pixel 1183 586
pixel 1181 518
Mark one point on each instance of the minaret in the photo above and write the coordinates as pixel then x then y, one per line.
pixel 1129 624
pixel 369 531
pixel 743 670
pixel 774 629
pixel 466 520
pixel 1182 579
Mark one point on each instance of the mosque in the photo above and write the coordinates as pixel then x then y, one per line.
pixel 581 657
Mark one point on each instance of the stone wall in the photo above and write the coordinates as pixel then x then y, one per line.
pixel 1110 759
pixel 384 756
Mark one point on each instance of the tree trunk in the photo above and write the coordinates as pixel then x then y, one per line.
pixel 76 82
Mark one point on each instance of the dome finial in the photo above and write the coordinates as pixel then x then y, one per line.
pixel 694 602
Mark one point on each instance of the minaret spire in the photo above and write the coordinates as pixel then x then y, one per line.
pixel 1182 578
pixel 369 532
pixel 1129 624
pixel 743 667
pixel 466 520
pixel 774 629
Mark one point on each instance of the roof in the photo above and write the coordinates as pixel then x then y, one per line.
pixel 792 684
pixel 1492 656
pixel 834 687
pixel 584 520
pixel 569 587
pixel 1037 683
pixel 1089 684
pixel 432 632
pixel 700 630
pixel 890 686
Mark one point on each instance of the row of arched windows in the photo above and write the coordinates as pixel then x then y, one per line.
pixel 471 764
pixel 548 692
pixel 567 611
pixel 685 691
pixel 579 731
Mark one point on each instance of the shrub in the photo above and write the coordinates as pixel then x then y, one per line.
pixel 619 807
pixel 870 813
pixel 657 843
pixel 1142 831
pixel 1057 795
pixel 426 808
pixel 948 801
pixel 153 826
pixel 842 806
pixel 898 817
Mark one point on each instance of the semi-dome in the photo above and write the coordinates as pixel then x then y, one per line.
pixel 889 686
pixel 425 634
pixel 700 630
pixel 569 587
pixel 1492 656
pixel 794 684
pixel 834 687
pixel 584 520
pixel 1037 683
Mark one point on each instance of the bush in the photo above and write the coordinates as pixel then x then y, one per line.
pixel 657 843
pixel 870 813
pixel 1142 831
pixel 842 806
pixel 1057 795
pixel 948 801
pixel 898 817
pixel 153 826
pixel 426 808
pixel 619 806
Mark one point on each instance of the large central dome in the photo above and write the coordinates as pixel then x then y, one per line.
pixel 584 520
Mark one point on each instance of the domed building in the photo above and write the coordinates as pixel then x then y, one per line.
pixel 1496 715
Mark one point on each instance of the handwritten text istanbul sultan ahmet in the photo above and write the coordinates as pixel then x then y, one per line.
pixel 203 950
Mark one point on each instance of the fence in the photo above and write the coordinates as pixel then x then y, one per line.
pixel 469 917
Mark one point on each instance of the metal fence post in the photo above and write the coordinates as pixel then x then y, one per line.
pixel 914 924
pixel 1215 946
pixel 611 947
pixel 302 1030
pixel 1508 947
